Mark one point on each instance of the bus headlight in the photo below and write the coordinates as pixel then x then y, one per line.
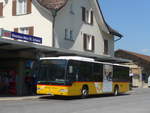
pixel 63 90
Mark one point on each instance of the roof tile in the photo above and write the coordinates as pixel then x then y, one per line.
pixel 144 57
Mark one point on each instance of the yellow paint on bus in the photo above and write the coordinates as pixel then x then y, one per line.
pixel 76 87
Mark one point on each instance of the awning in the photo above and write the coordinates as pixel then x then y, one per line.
pixel 14 45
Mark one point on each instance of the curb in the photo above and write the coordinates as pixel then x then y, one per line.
pixel 19 98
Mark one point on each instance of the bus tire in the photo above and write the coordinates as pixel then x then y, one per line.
pixel 116 91
pixel 84 92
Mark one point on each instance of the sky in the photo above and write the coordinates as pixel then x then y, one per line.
pixel 132 19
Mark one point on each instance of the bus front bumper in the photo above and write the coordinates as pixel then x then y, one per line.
pixel 52 90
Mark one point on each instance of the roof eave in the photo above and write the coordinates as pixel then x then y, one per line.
pixel 114 32
pixel 111 30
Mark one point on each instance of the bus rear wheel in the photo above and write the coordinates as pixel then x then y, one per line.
pixel 84 92
pixel 116 91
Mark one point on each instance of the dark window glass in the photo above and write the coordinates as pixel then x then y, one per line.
pixel 52 70
pixel 97 75
pixel 120 74
pixel 106 47
pixel 72 70
pixel 85 71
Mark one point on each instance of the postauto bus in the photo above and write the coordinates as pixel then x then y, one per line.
pixel 79 76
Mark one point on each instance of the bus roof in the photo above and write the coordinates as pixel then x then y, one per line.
pixel 78 58
pixel 70 58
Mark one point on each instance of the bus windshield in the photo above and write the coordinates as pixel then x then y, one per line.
pixel 52 71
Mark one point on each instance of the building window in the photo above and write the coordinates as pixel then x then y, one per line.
pixel 1 9
pixel 69 34
pixel 88 42
pixel 71 9
pixel 66 34
pixel 106 47
pixel 87 16
pixel 20 7
pixel 25 30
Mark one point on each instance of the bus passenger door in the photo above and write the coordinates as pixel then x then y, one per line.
pixel 107 78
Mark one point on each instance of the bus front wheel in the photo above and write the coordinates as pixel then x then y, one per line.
pixel 84 92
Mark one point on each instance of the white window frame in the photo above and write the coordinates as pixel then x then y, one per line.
pixel 69 34
pixel 24 30
pixel 89 42
pixel 88 16
pixel 21 7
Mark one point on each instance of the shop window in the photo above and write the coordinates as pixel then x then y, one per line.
pixel 87 16
pixel 88 42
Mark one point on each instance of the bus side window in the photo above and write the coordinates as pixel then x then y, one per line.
pixel 97 75
pixel 85 71
pixel 121 74
pixel 72 70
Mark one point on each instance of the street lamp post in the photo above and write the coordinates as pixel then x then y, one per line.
pixel 54 14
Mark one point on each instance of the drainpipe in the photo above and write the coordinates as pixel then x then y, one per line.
pixel 54 14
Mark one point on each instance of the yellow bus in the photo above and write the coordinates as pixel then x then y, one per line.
pixel 79 76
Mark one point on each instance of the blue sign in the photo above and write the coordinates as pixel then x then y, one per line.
pixel 24 37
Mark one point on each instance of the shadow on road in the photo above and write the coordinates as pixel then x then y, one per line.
pixel 78 97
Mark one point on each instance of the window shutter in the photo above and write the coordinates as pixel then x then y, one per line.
pixel 105 46
pixel 31 30
pixel 85 41
pixel 1 8
pixel 93 43
pixel 29 6
pixel 83 13
pixel 16 30
pixel 14 4
pixel 91 17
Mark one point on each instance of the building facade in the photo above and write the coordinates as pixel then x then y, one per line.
pixel 34 28
pixel 79 27
pixel 139 67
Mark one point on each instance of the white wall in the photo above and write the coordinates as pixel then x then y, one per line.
pixel 39 19
pixel 74 21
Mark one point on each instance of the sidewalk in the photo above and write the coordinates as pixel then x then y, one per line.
pixel 13 98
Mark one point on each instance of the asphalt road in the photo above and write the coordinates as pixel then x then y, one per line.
pixel 137 101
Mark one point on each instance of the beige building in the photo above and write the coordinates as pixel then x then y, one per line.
pixel 139 67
